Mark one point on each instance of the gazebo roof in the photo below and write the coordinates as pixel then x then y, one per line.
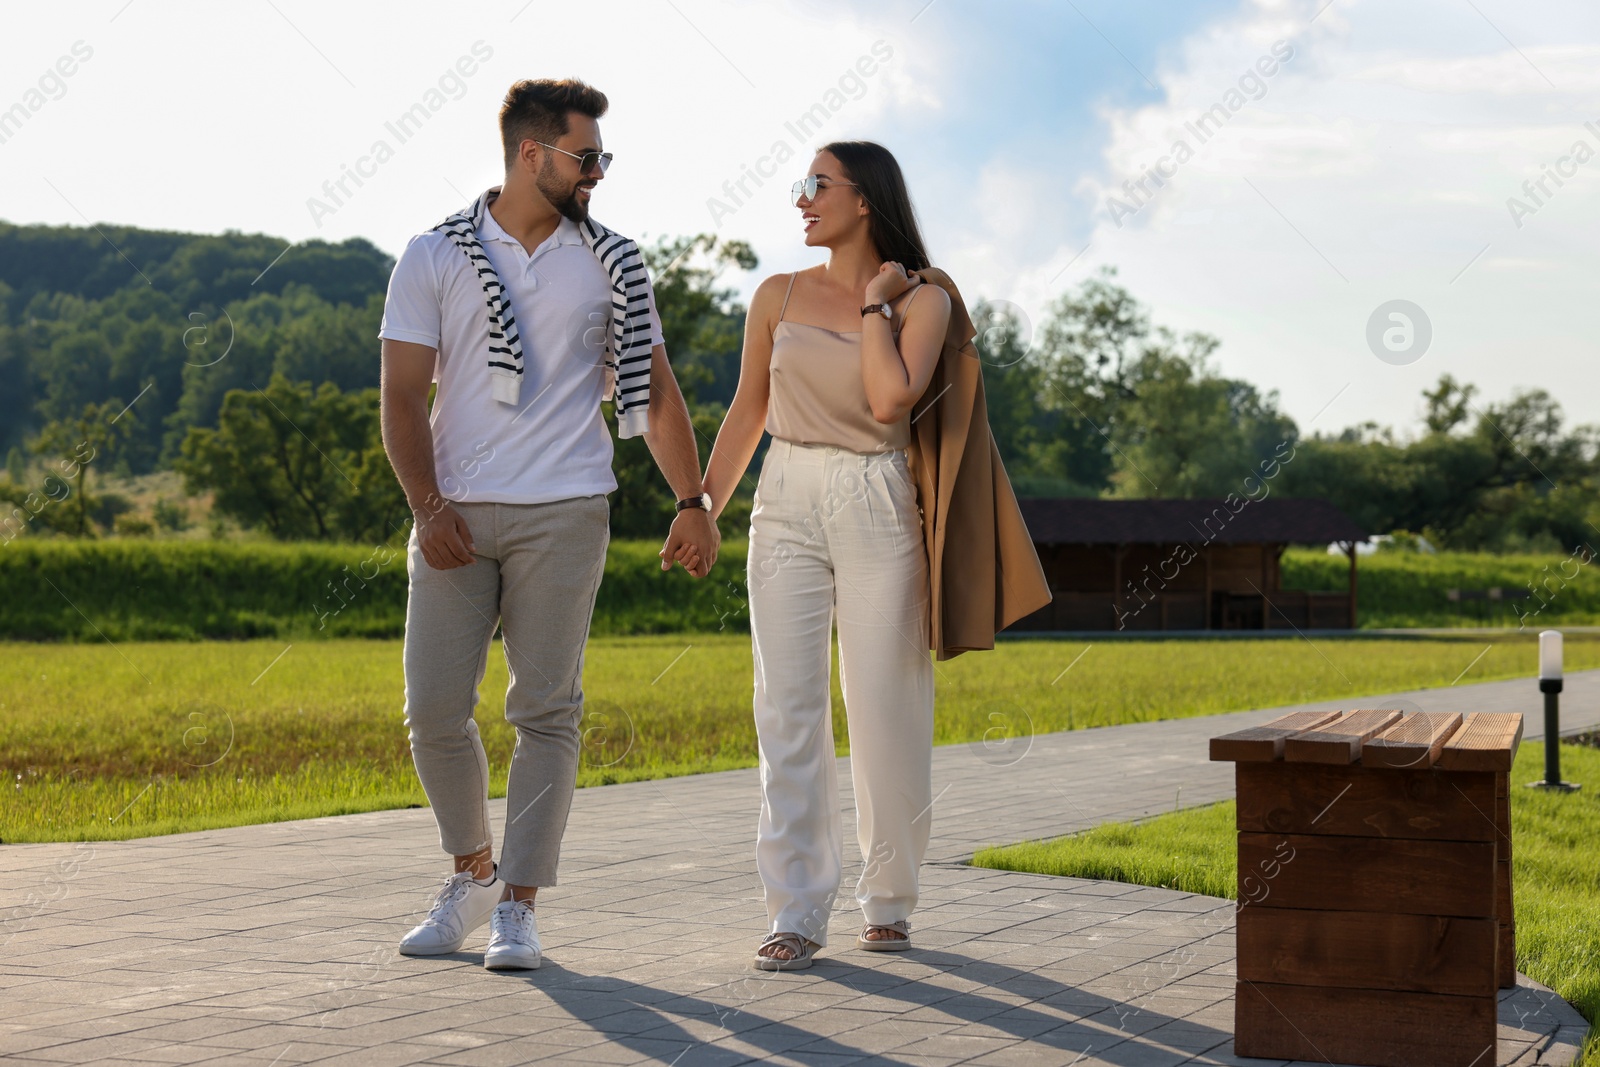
pixel 1271 520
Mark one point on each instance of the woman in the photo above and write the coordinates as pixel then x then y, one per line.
pixel 835 356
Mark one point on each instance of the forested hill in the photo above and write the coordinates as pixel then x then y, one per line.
pixel 1096 399
pixel 90 315
pixel 191 268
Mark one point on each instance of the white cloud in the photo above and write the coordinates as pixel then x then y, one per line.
pixel 1361 176
pixel 1574 68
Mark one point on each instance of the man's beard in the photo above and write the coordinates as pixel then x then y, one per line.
pixel 563 198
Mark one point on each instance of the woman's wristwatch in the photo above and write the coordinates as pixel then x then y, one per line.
pixel 701 501
pixel 877 309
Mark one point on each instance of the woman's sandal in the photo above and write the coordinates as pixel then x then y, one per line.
pixel 801 952
pixel 886 944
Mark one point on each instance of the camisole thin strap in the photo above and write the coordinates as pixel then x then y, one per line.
pixel 913 300
pixel 786 293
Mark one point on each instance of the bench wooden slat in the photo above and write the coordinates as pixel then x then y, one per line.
pixel 1278 1021
pixel 1338 742
pixel 1414 741
pixel 1264 743
pixel 1360 801
pixel 1487 741
pixel 1397 876
pixel 1367 950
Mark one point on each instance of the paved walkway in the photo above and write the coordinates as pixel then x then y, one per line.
pixel 275 944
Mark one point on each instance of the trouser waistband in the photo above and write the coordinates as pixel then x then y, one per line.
pixel 816 452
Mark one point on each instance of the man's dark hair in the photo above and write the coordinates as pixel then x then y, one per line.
pixel 892 221
pixel 536 109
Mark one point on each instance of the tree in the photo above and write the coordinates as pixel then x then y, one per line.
pixel 1449 404
pixel 1185 431
pixel 375 509
pixel 74 443
pixel 703 322
pixel 1510 479
pixel 1096 333
pixel 1103 402
pixel 297 461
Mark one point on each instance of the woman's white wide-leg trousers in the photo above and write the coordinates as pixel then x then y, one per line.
pixel 836 536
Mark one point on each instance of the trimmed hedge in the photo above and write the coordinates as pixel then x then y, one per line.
pixel 1409 589
pixel 134 589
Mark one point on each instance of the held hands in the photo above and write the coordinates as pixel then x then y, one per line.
pixel 693 541
pixel 891 281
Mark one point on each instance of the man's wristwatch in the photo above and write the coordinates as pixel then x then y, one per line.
pixel 701 501
pixel 877 309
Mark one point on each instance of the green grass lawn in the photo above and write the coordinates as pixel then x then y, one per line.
pixel 101 741
pixel 1555 868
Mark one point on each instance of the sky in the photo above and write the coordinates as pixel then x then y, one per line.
pixel 1384 191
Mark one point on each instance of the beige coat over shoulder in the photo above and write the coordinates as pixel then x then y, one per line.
pixel 982 565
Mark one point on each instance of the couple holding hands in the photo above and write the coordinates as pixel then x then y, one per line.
pixel 881 508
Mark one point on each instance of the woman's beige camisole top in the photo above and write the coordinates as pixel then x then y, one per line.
pixel 816 395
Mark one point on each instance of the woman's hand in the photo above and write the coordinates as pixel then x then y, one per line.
pixel 890 283
pixel 693 541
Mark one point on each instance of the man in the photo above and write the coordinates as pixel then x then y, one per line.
pixel 526 313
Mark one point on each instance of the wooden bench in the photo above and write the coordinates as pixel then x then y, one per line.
pixel 1374 920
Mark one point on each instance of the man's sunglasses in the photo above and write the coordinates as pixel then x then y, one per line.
pixel 587 162
pixel 810 186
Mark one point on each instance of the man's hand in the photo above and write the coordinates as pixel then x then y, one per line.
pixel 693 541
pixel 444 538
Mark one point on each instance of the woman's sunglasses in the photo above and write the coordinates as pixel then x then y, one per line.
pixel 586 162
pixel 810 186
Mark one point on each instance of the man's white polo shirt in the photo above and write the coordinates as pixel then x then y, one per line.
pixel 554 443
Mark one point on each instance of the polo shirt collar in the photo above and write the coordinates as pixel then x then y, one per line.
pixel 566 232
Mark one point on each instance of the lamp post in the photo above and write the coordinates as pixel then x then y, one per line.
pixel 1550 686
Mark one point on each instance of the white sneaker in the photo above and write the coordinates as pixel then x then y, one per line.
pixel 513 938
pixel 460 907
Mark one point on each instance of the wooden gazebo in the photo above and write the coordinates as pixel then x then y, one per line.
pixel 1184 564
